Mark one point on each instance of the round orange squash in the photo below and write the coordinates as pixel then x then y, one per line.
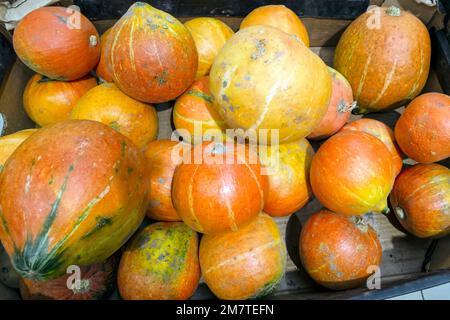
pixel 48 101
pixel 421 200
pixel 353 173
pixel 210 35
pixel 10 142
pixel 339 251
pixel 107 104
pixel 381 131
pixel 244 264
pixel 218 187
pixel 280 17
pixel 339 108
pixel 160 263
pixel 72 193
pixel 103 69
pixel 153 57
pixel 385 55
pixel 266 79
pixel 287 167
pixel 423 130
pixel 57 42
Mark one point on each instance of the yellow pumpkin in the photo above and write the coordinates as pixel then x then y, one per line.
pixel 10 142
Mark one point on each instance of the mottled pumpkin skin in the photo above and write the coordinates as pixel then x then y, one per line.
pixel 337 250
pixel 152 55
pixel 103 69
pixel 163 156
pixel 72 193
pixel 160 263
pixel 107 104
pixel 220 188
pixel 48 101
pixel 288 173
pixel 423 130
pixel 10 142
pixel 421 200
pixel 210 35
pixel 352 173
pixel 381 131
pixel 386 66
pixel 280 17
pixel 293 99
pixel 339 108
pixel 49 43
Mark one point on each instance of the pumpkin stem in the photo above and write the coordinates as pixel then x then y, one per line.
pixel 344 107
pixel 359 222
pixel 3 124
pixel 45 79
pixel 93 40
pixel 400 213
pixel 393 11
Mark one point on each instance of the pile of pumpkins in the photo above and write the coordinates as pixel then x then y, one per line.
pixel 74 191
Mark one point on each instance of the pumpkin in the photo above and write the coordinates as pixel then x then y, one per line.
pixel 153 57
pixel 162 161
pixel 385 55
pixel 218 187
pixel 339 251
pixel 339 108
pixel 248 263
pixel 96 282
pixel 280 17
pixel 48 101
pixel 381 131
pixel 210 35
pixel 291 101
pixel 193 113
pixel 72 193
pixel 287 168
pixel 353 173
pixel 421 200
pixel 103 69
pixel 423 130
pixel 107 104
pixel 57 42
pixel 10 142
pixel 160 263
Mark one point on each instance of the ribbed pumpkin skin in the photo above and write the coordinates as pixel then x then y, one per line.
pixel 337 250
pixel 293 99
pixel 48 101
pixel 103 69
pixel 423 130
pixel 47 43
pixel 289 188
pixel 248 263
pixel 280 17
pixel 216 195
pixel 153 57
pixel 386 66
pixel 339 108
pixel 160 263
pixel 352 173
pixel 72 193
pixel 10 142
pixel 210 35
pixel 421 200
pixel 107 104
pixel 161 168
pixel 381 131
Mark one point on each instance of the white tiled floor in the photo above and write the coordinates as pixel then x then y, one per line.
pixel 441 292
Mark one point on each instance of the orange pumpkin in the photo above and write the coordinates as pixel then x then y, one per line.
pixel 248 263
pixel 210 35
pixel 103 69
pixel 421 200
pixel 48 101
pixel 153 57
pixel 381 131
pixel 10 142
pixel 339 251
pixel 280 17
pixel 160 263
pixel 339 108
pixel 57 42
pixel 353 173
pixel 162 162
pixel 423 130
pixel 385 55
pixel 107 104
pixel 72 193
pixel 287 167
pixel 218 187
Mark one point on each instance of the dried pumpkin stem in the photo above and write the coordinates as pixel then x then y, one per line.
pixel 393 11
pixel 346 107
pixel 400 213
